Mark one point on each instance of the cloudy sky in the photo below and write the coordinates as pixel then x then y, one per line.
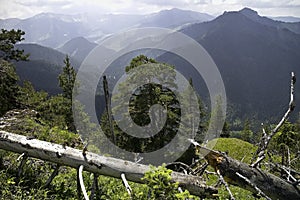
pixel 28 8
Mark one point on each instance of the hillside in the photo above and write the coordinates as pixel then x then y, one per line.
pixel 254 54
pixel 173 18
pixel 235 148
pixel 253 15
pixel 43 67
pixel 287 19
pixel 78 48
pixel 255 61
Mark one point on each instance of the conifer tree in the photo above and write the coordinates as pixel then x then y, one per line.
pixel 67 83
pixel 8 77
pixel 67 79
pixel 141 101
pixel 8 40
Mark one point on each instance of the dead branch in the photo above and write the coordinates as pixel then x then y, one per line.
pixel 78 185
pixel 225 184
pixel 259 192
pixel 54 173
pixel 271 185
pixel 81 182
pixel 21 156
pixel 95 186
pixel 199 171
pixel 184 167
pixel 266 140
pixel 289 164
pixel 126 184
pixel 24 157
pixel 95 163
pixel 290 172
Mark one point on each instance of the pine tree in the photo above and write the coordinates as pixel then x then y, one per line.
pixel 67 79
pixel 8 86
pixel 67 83
pixel 287 143
pixel 247 134
pixel 141 101
pixel 226 130
pixel 8 77
pixel 8 39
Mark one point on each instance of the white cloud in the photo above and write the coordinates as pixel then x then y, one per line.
pixel 28 8
pixel 43 3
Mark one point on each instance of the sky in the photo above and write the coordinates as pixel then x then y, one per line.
pixel 28 8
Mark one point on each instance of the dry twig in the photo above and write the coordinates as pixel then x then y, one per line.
pixel 95 187
pixel 266 140
pixel 225 184
pixel 81 182
pixel 126 184
pixel 24 157
pixel 54 173
pixel 259 192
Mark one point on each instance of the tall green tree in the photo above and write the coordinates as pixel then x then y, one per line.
pixel 8 77
pixel 8 86
pixel 67 83
pixel 287 144
pixel 246 133
pixel 226 130
pixel 67 79
pixel 141 101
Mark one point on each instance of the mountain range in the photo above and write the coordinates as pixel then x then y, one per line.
pixel 286 19
pixel 54 30
pixel 255 54
pixel 43 67
pixel 78 48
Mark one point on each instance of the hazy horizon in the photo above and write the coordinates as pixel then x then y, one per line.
pixel 24 9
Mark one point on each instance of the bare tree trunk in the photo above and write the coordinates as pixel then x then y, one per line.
pixel 94 163
pixel 238 173
pixel 108 109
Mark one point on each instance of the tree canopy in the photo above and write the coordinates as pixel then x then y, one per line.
pixel 8 40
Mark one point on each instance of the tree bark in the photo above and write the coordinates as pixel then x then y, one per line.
pixel 95 163
pixel 271 185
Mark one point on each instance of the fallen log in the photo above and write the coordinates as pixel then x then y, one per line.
pixel 94 163
pixel 239 174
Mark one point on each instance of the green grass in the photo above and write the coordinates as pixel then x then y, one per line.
pixel 239 150
pixel 235 148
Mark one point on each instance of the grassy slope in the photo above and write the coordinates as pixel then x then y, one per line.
pixel 235 148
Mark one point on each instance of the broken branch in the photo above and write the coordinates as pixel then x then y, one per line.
pixel 126 184
pixel 86 197
pixel 266 140
pixel 271 185
pixel 95 163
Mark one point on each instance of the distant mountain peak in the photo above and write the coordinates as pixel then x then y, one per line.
pixel 176 10
pixel 78 48
pixel 81 39
pixel 173 9
pixel 248 11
